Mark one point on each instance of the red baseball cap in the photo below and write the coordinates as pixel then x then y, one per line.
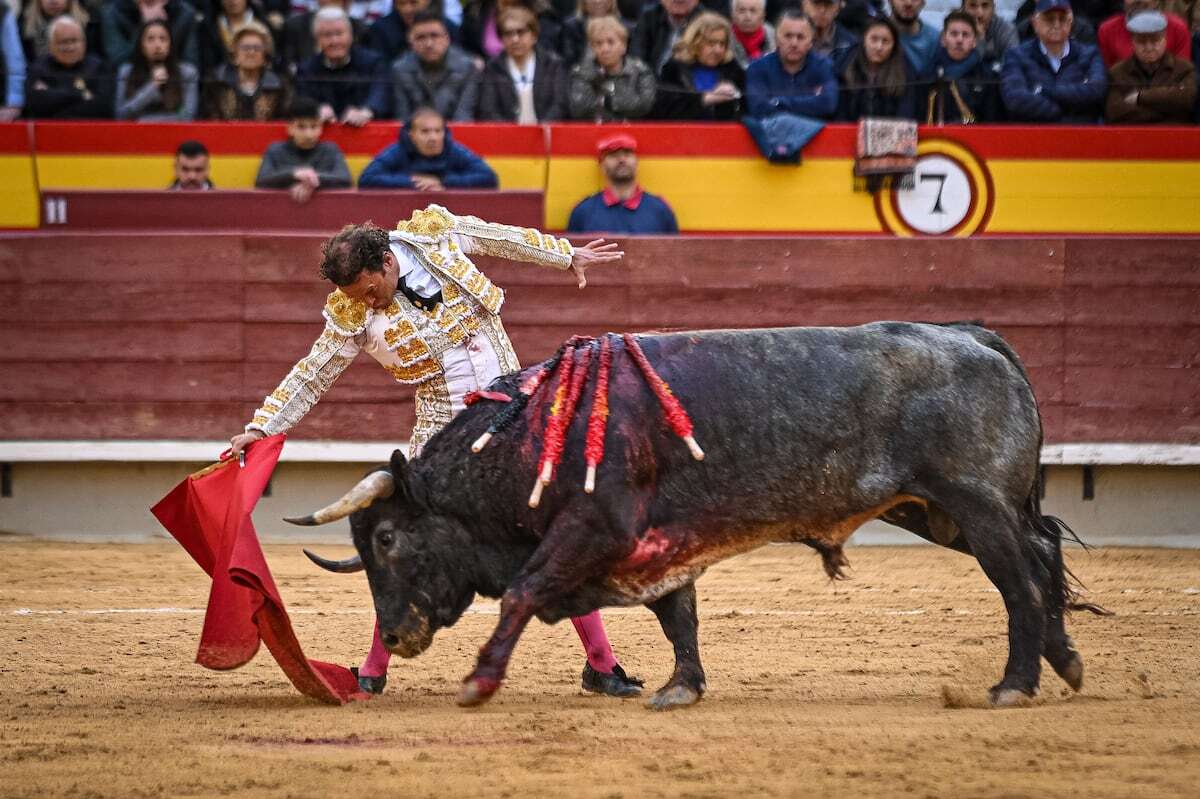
pixel 619 141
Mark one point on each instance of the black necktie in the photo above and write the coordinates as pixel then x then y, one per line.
pixel 427 304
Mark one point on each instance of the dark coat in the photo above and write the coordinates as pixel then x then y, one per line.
pixel 453 90
pixel 223 99
pixel 975 81
pixel 475 15
pixel 1034 92
pixel 858 99
pixel 498 96
pixel 595 95
pixel 208 34
pixel 678 98
pixel 122 19
pixel 283 158
pixel 298 45
pixel 457 167
pixel 360 83
pixel 652 36
pixel 1166 92
pixel 84 91
pixel 388 36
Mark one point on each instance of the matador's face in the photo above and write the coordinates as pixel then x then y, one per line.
pixel 376 289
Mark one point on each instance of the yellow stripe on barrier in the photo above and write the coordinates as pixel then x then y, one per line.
pixel 19 198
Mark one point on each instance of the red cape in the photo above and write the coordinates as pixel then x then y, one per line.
pixel 209 515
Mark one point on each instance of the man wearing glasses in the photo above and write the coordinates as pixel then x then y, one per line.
pixel 434 73
pixel 1054 77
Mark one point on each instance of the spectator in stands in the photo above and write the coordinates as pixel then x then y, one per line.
pixel 1116 43
pixel 299 41
pixel 1082 27
pixel 623 207
pixel 755 36
pixel 12 66
pixel 155 86
pixel 996 36
pixel 878 80
pixel 191 167
pixel 856 14
pixel 572 45
pixel 793 79
pixel 959 87
pixel 427 158
pixel 35 21
pixel 525 84
pixel 609 85
pixel 389 35
pixel 217 30
pixel 481 34
pixel 303 163
pixel 918 39
pixel 658 28
pixel 1053 78
pixel 123 20
pixel 1153 86
pixel 348 82
pixel 702 81
pixel 247 88
pixel 830 39
pixel 434 73
pixel 68 82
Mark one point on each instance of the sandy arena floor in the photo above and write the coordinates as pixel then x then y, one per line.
pixel 854 689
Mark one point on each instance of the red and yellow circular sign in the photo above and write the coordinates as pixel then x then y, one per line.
pixel 951 194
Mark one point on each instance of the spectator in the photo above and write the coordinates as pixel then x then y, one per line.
pixel 572 44
pixel 155 86
pixel 247 88
pixel 918 39
pixel 792 79
pixel 996 36
pixel 1082 27
pixel 427 159
pixel 623 207
pixel 1115 42
pixel 434 73
pixel 609 85
pixel 35 22
pixel 191 167
pixel 878 80
pixel 389 35
pixel 830 39
pixel 299 42
pixel 217 29
pixel 856 14
pixel 68 82
pixel 1053 78
pixel 525 84
pixel 303 163
pixel 755 36
pixel 960 87
pixel 1153 86
pixel 122 22
pixel 347 81
pixel 702 81
pixel 12 66
pixel 658 28
pixel 480 34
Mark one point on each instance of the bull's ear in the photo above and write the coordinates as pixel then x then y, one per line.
pixel 402 476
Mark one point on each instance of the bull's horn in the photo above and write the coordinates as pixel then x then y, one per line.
pixel 376 485
pixel 346 566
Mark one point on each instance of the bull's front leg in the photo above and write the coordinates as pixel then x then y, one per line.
pixel 677 614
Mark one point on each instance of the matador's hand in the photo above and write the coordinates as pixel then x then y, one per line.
pixel 243 440
pixel 592 253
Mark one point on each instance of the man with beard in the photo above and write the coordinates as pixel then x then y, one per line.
pixel 623 207
pixel 920 41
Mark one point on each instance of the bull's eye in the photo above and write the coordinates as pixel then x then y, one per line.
pixel 385 538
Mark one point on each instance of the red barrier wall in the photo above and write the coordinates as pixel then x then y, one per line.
pixel 159 336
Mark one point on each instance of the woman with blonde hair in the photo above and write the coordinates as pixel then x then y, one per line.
pixel 703 81
pixel 247 88
pixel 572 44
pixel 608 85
pixel 36 24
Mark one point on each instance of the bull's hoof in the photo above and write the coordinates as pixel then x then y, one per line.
pixel 673 696
pixel 1009 697
pixel 476 690
pixel 1072 672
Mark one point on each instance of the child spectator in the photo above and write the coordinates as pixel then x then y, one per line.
pixel 68 82
pixel 608 85
pixel 426 158
pixel 525 84
pixel 303 163
pixel 1154 86
pixel 156 86
pixel 702 81
pixel 878 80
pixel 959 87
pixel 247 88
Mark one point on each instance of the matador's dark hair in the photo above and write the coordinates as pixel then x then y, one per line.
pixel 353 249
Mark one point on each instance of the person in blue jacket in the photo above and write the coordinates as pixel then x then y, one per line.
pixel 1054 77
pixel 793 79
pixel 427 159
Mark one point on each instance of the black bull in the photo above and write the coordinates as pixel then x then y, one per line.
pixel 809 432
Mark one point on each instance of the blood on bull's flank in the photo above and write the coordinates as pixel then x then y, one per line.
pixel 807 433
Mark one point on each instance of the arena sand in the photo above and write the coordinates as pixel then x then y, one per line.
pixel 864 688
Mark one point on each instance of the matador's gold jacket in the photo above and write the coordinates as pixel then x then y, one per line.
pixel 408 341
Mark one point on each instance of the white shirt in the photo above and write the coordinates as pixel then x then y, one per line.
pixel 522 79
pixel 1056 63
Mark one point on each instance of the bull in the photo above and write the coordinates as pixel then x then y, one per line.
pixel 809 433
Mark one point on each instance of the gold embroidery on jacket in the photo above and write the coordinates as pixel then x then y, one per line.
pixel 348 315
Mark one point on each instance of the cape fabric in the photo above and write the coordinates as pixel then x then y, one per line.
pixel 209 515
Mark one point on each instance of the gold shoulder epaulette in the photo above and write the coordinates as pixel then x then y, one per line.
pixel 432 222
pixel 347 315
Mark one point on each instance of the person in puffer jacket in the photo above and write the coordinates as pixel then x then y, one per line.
pixel 1054 77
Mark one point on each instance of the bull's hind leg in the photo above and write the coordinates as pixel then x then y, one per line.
pixel 1059 649
pixel 677 614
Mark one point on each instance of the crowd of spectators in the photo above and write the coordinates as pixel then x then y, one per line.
pixel 533 61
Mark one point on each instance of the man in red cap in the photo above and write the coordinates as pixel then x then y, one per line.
pixel 622 207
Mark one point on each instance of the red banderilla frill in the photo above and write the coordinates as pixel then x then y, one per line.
pixel 677 417
pixel 597 423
